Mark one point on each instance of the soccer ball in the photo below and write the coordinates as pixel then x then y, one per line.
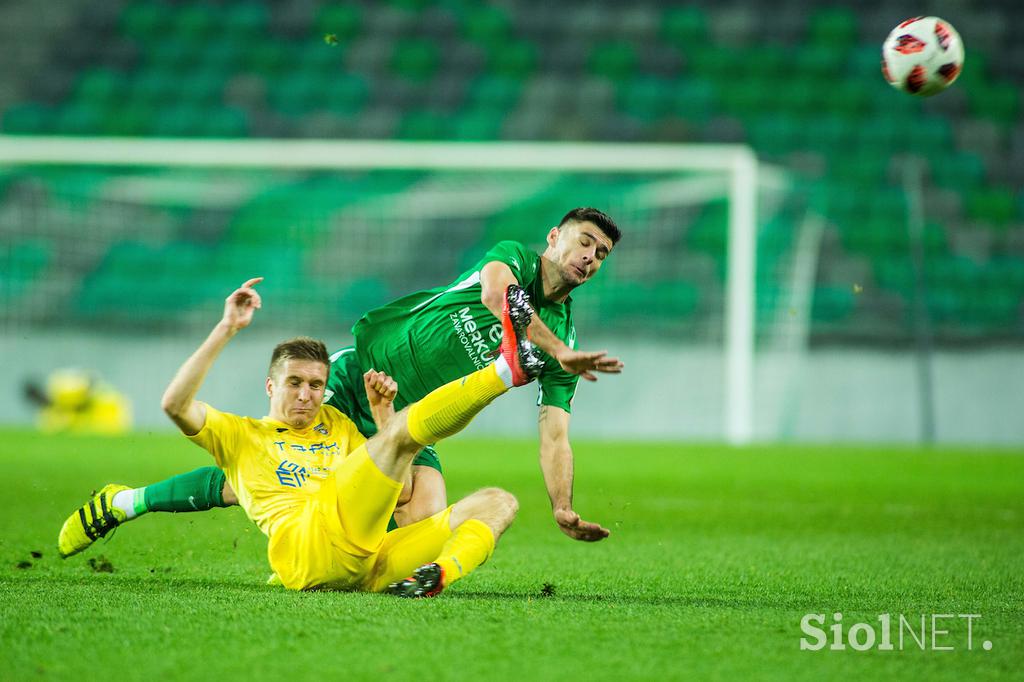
pixel 922 56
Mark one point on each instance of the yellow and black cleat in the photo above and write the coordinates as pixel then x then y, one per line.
pixel 91 521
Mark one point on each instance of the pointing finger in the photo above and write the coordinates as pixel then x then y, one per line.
pixel 252 282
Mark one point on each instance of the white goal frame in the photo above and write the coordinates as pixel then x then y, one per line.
pixel 737 161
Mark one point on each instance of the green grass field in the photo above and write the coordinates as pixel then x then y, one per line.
pixel 715 556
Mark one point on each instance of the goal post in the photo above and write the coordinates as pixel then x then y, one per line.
pixel 737 163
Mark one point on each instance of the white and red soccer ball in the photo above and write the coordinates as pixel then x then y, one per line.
pixel 922 56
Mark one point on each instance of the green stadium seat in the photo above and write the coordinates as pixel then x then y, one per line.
pixel 644 98
pixel 424 125
pixel 416 60
pixel 995 205
pixel 824 63
pixel 245 21
pixel 144 20
pixel 154 87
pixel 774 135
pixel 197 22
pixel 26 261
pixel 833 27
pixel 297 93
pixel 884 236
pixel 848 99
pixel 342 20
pixel 173 53
pixel 685 26
pixel 225 55
pixel 997 101
pixel 29 119
pixel 131 119
pixel 831 135
pixel 995 309
pixel 202 87
pixel 832 304
pixel 796 97
pixel 514 59
pixel 616 61
pixel 226 122
pixel 859 169
pixel 767 62
pixel 496 92
pixel 894 272
pixel 411 5
pixel 482 124
pixel 876 235
pixel 960 170
pixel 180 120
pixel 347 94
pixel 749 101
pixel 647 98
pixel 928 133
pixel 975 73
pixel 324 60
pixel 888 203
pixel 709 231
pixel 268 58
pixel 485 24
pixel 693 99
pixel 718 64
pixel 79 118
pixel 945 305
pixel 101 86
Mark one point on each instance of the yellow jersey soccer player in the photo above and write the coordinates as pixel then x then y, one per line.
pixel 322 492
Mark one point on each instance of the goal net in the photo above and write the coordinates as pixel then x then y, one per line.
pixel 138 241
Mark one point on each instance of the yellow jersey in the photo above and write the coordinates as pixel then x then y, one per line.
pixel 277 471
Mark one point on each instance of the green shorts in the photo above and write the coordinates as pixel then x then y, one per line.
pixel 345 391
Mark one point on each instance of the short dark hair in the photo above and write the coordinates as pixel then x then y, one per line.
pixel 599 218
pixel 299 348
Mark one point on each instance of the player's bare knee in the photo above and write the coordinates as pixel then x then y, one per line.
pixel 507 502
pixel 498 506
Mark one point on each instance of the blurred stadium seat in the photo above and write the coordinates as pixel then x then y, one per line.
pixel 797 81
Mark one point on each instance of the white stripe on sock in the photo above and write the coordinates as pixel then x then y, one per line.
pixel 125 501
pixel 504 371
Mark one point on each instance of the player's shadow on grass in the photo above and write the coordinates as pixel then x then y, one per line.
pixel 623 599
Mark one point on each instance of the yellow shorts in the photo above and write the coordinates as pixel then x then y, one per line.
pixel 340 540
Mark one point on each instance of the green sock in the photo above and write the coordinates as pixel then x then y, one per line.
pixel 197 490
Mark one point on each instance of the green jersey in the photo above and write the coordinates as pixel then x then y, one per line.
pixel 432 337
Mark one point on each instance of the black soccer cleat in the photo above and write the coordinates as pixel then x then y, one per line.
pixel 519 352
pixel 425 581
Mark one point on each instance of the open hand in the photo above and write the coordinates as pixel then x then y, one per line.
pixel 585 364
pixel 240 306
pixel 572 525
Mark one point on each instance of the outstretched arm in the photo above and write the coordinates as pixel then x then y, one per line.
pixel 179 401
pixel 557 464
pixel 494 280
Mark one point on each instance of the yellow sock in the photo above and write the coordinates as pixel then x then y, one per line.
pixel 447 410
pixel 469 546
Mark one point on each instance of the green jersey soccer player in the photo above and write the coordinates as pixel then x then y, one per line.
pixel 425 340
